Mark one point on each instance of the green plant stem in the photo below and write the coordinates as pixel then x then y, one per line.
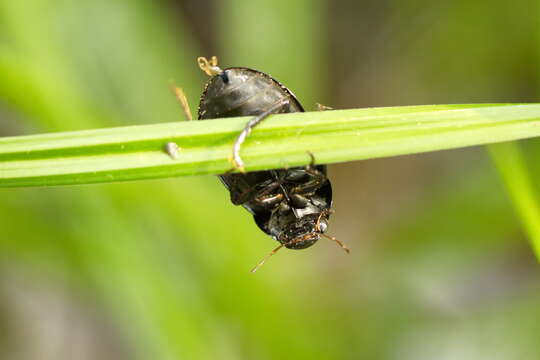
pixel 509 160
pixel 137 152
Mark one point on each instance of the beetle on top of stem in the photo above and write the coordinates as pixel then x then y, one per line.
pixel 293 205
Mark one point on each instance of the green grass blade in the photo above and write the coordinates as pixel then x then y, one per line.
pixel 289 44
pixel 136 152
pixel 511 165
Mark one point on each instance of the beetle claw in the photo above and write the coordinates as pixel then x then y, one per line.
pixel 237 165
pixel 321 107
pixel 311 164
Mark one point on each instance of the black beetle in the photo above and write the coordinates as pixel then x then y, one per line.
pixel 291 205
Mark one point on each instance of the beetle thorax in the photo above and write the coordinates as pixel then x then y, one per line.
pixel 243 92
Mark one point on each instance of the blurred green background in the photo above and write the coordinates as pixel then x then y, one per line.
pixel 440 266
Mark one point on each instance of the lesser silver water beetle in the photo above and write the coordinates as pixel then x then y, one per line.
pixel 292 205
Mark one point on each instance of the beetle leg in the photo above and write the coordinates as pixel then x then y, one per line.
pixel 321 107
pixel 237 160
pixel 172 148
pixel 253 194
pixel 312 170
pixel 299 201
pixel 311 164
pixel 318 178
pixel 268 196
pixel 270 200
pixel 182 99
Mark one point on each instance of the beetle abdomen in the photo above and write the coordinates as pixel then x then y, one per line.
pixel 243 92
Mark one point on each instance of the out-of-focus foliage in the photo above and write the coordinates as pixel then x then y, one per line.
pixel 159 269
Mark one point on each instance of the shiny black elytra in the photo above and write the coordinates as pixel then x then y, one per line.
pixel 291 205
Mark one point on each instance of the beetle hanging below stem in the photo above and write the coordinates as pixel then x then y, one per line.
pixel 293 205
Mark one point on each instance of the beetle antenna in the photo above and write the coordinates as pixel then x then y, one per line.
pixel 209 67
pixel 266 258
pixel 343 246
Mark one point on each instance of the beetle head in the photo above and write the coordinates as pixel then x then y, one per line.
pixel 304 232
